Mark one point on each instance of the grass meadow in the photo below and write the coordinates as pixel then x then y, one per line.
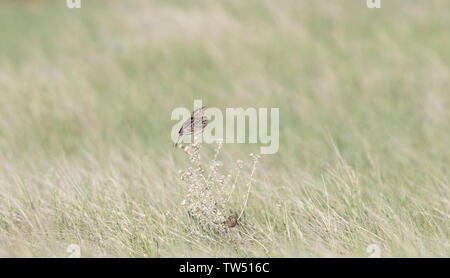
pixel 86 97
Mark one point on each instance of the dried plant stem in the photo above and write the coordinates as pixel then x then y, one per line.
pixel 208 198
pixel 249 185
pixel 234 184
pixel 213 171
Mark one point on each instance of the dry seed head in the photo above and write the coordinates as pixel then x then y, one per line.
pixel 207 198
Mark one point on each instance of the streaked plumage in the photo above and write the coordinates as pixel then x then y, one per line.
pixel 193 126
pixel 231 221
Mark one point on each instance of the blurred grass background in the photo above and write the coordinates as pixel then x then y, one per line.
pixel 85 102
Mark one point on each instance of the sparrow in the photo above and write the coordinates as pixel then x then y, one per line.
pixel 231 221
pixel 193 126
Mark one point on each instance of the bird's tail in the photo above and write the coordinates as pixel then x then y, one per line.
pixel 177 142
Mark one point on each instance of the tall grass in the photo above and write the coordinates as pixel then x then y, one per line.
pixel 85 103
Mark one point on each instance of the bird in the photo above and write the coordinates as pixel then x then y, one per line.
pixel 193 126
pixel 231 221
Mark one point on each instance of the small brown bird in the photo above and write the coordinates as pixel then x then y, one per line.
pixel 193 126
pixel 231 221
